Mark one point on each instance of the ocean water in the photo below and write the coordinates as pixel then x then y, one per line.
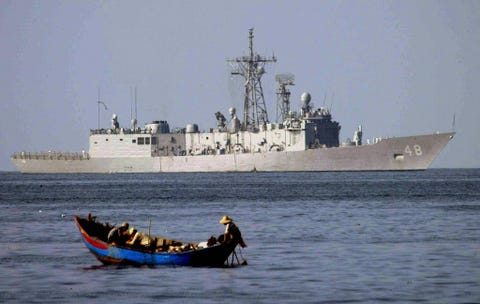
pixel 391 237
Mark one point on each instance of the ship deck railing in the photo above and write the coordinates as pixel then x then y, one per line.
pixel 119 131
pixel 51 155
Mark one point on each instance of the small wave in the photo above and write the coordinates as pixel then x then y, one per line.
pixel 461 208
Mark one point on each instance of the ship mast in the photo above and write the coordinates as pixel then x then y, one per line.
pixel 251 68
pixel 283 96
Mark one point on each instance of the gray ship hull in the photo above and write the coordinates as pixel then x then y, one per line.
pixel 391 154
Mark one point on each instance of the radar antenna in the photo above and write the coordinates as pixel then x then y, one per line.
pixel 283 95
pixel 251 68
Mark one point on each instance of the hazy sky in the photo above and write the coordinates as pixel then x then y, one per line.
pixel 396 67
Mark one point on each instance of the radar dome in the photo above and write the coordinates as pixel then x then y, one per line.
pixel 305 98
pixel 191 128
pixel 232 111
pixel 114 116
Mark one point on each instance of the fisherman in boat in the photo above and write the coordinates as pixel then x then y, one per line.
pixel 119 235
pixel 132 233
pixel 139 239
pixel 231 231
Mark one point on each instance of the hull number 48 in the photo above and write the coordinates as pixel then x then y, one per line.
pixel 417 150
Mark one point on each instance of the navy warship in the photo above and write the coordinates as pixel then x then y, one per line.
pixel 303 140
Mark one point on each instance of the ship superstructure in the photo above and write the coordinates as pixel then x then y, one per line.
pixel 307 140
pixel 311 128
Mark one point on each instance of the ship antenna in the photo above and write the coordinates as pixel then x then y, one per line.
pixel 453 122
pixel 133 98
pixel 98 108
pixel 332 102
pixel 135 102
pixel 131 103
pixel 251 68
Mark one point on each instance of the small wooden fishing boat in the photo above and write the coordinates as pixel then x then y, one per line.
pixel 160 251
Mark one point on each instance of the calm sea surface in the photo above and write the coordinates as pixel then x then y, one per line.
pixel 312 237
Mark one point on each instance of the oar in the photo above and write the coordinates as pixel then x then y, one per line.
pixel 235 256
pixel 244 260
